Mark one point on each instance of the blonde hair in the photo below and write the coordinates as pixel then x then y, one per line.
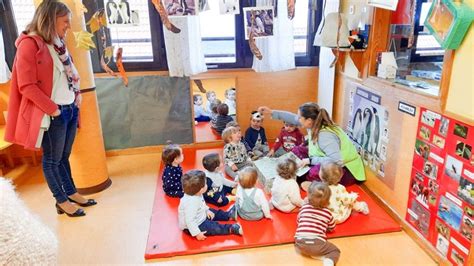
pixel 330 173
pixel 319 194
pixel 44 20
pixel 227 133
pixel 248 177
pixel 287 168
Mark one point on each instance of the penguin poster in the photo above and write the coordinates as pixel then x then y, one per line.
pixel 119 13
pixel 368 129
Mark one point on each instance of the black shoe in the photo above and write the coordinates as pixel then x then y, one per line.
pixel 79 212
pixel 89 202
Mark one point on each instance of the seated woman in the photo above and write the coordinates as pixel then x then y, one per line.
pixel 326 142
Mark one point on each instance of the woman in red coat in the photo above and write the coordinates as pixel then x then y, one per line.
pixel 45 99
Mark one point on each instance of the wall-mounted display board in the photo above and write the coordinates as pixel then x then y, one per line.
pixel 368 129
pixel 441 194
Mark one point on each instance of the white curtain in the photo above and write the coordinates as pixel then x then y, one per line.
pixel 4 71
pixel 278 50
pixel 184 50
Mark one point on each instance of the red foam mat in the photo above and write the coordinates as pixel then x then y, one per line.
pixel 166 240
pixel 204 132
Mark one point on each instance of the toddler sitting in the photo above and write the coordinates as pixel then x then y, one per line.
pixel 172 156
pixel 251 203
pixel 342 202
pixel 290 137
pixel 218 185
pixel 235 154
pixel 195 217
pixel 255 135
pixel 285 191
pixel 200 114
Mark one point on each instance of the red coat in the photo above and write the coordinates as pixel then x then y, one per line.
pixel 30 92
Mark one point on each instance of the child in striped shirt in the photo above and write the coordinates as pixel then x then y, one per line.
pixel 314 220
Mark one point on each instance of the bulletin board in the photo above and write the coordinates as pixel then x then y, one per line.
pixel 368 129
pixel 441 194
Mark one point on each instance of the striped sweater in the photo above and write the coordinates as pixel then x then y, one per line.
pixel 313 223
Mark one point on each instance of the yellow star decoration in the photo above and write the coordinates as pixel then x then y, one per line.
pixel 80 8
pixel 108 52
pixel 97 20
pixel 84 40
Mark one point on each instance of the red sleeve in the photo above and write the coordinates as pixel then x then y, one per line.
pixel 278 141
pixel 27 76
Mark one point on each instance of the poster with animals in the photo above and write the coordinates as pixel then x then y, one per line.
pixel 442 185
pixel 368 129
pixel 119 13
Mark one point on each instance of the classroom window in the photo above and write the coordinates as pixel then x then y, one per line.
pixel 419 56
pixel 218 35
pixel 134 38
pixel 23 11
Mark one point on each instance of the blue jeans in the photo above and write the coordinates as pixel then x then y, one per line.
pixel 213 228
pixel 57 145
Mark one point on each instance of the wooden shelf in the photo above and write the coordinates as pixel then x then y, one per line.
pixel 357 56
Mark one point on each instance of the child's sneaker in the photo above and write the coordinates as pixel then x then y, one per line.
pixel 328 262
pixel 233 213
pixel 236 229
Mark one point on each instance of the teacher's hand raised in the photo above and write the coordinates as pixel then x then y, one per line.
pixel 265 110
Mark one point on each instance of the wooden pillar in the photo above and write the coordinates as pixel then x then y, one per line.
pixel 88 160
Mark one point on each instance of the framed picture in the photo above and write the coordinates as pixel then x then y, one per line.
pixel 263 25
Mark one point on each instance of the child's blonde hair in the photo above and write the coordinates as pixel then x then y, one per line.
pixel 287 168
pixel 330 173
pixel 193 181
pixel 227 133
pixel 319 194
pixel 209 93
pixel 170 152
pixel 248 177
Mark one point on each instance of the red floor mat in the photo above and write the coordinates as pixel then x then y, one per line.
pixel 204 132
pixel 166 240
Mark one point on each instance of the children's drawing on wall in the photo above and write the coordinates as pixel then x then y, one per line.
pixel 229 7
pixel 442 245
pixel 263 26
pixel 443 128
pixel 453 167
pixel 180 7
pixel 430 169
pixel 428 118
pixel 119 13
pixel 439 141
pixel 466 227
pixel 208 94
pixel 449 212
pixel 422 149
pixel 419 217
pixel 466 190
pixel 425 133
pixel 463 150
pixel 460 130
pixel 456 257
pixel 369 127
pixel 433 188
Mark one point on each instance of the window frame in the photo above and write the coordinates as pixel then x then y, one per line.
pixel 159 62
pixel 417 28
pixel 8 27
pixel 244 57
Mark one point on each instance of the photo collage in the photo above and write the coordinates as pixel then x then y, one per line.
pixel 441 194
